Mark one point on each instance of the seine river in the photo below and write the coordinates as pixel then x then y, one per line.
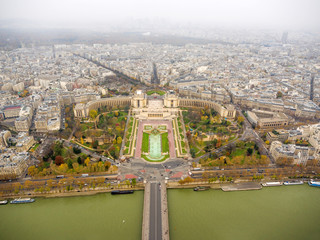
pixel 286 212
pixel 280 213
pixel 102 216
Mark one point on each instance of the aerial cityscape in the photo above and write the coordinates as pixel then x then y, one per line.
pixel 155 125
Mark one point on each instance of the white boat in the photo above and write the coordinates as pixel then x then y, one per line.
pixel 22 200
pixel 4 202
pixel 271 184
pixel 293 183
pixel 314 183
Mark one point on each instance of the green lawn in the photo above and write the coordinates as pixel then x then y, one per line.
pixel 126 151
pixel 147 159
pixel 85 126
pixel 165 142
pixel 145 142
pixel 156 91
pixel 238 152
pixel 35 146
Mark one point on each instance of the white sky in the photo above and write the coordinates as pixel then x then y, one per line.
pixel 245 13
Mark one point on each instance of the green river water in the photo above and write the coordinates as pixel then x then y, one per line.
pixel 277 213
pixel 102 216
pixel 286 212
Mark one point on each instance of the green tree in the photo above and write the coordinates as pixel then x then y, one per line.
pixel 279 94
pixel 93 114
pixel 193 152
pixel 133 182
pixel 69 162
pixel 95 144
pixel 249 151
pixel 222 179
pixel 57 149
pixel 79 160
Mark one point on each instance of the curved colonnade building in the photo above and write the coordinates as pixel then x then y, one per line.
pixel 154 106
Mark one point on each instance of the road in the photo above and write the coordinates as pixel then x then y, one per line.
pixel 154 171
pixel 155 229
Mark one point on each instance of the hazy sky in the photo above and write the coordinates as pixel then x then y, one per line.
pixel 247 13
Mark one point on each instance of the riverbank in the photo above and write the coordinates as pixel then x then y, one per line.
pixel 66 194
pixel 224 186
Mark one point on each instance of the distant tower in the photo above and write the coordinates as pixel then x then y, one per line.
pixel 284 38
pixel 154 78
pixel 53 52
pixel 311 87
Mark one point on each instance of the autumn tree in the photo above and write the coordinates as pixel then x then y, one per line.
pixel 32 171
pixel 186 180
pixel 87 161
pixel 27 184
pixel 50 183
pixel 107 165
pixel 284 161
pixel 58 160
pixel 67 110
pixel 63 167
pixel 263 160
pixel 93 114
pixel 240 120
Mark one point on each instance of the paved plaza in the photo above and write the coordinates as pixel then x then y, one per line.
pixel 155 123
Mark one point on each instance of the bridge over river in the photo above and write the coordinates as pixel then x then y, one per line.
pixel 155 225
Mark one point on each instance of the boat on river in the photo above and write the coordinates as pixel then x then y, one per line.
pixel 22 200
pixel 271 184
pixel 293 182
pixel 115 192
pixel 314 183
pixel 4 202
pixel 201 188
